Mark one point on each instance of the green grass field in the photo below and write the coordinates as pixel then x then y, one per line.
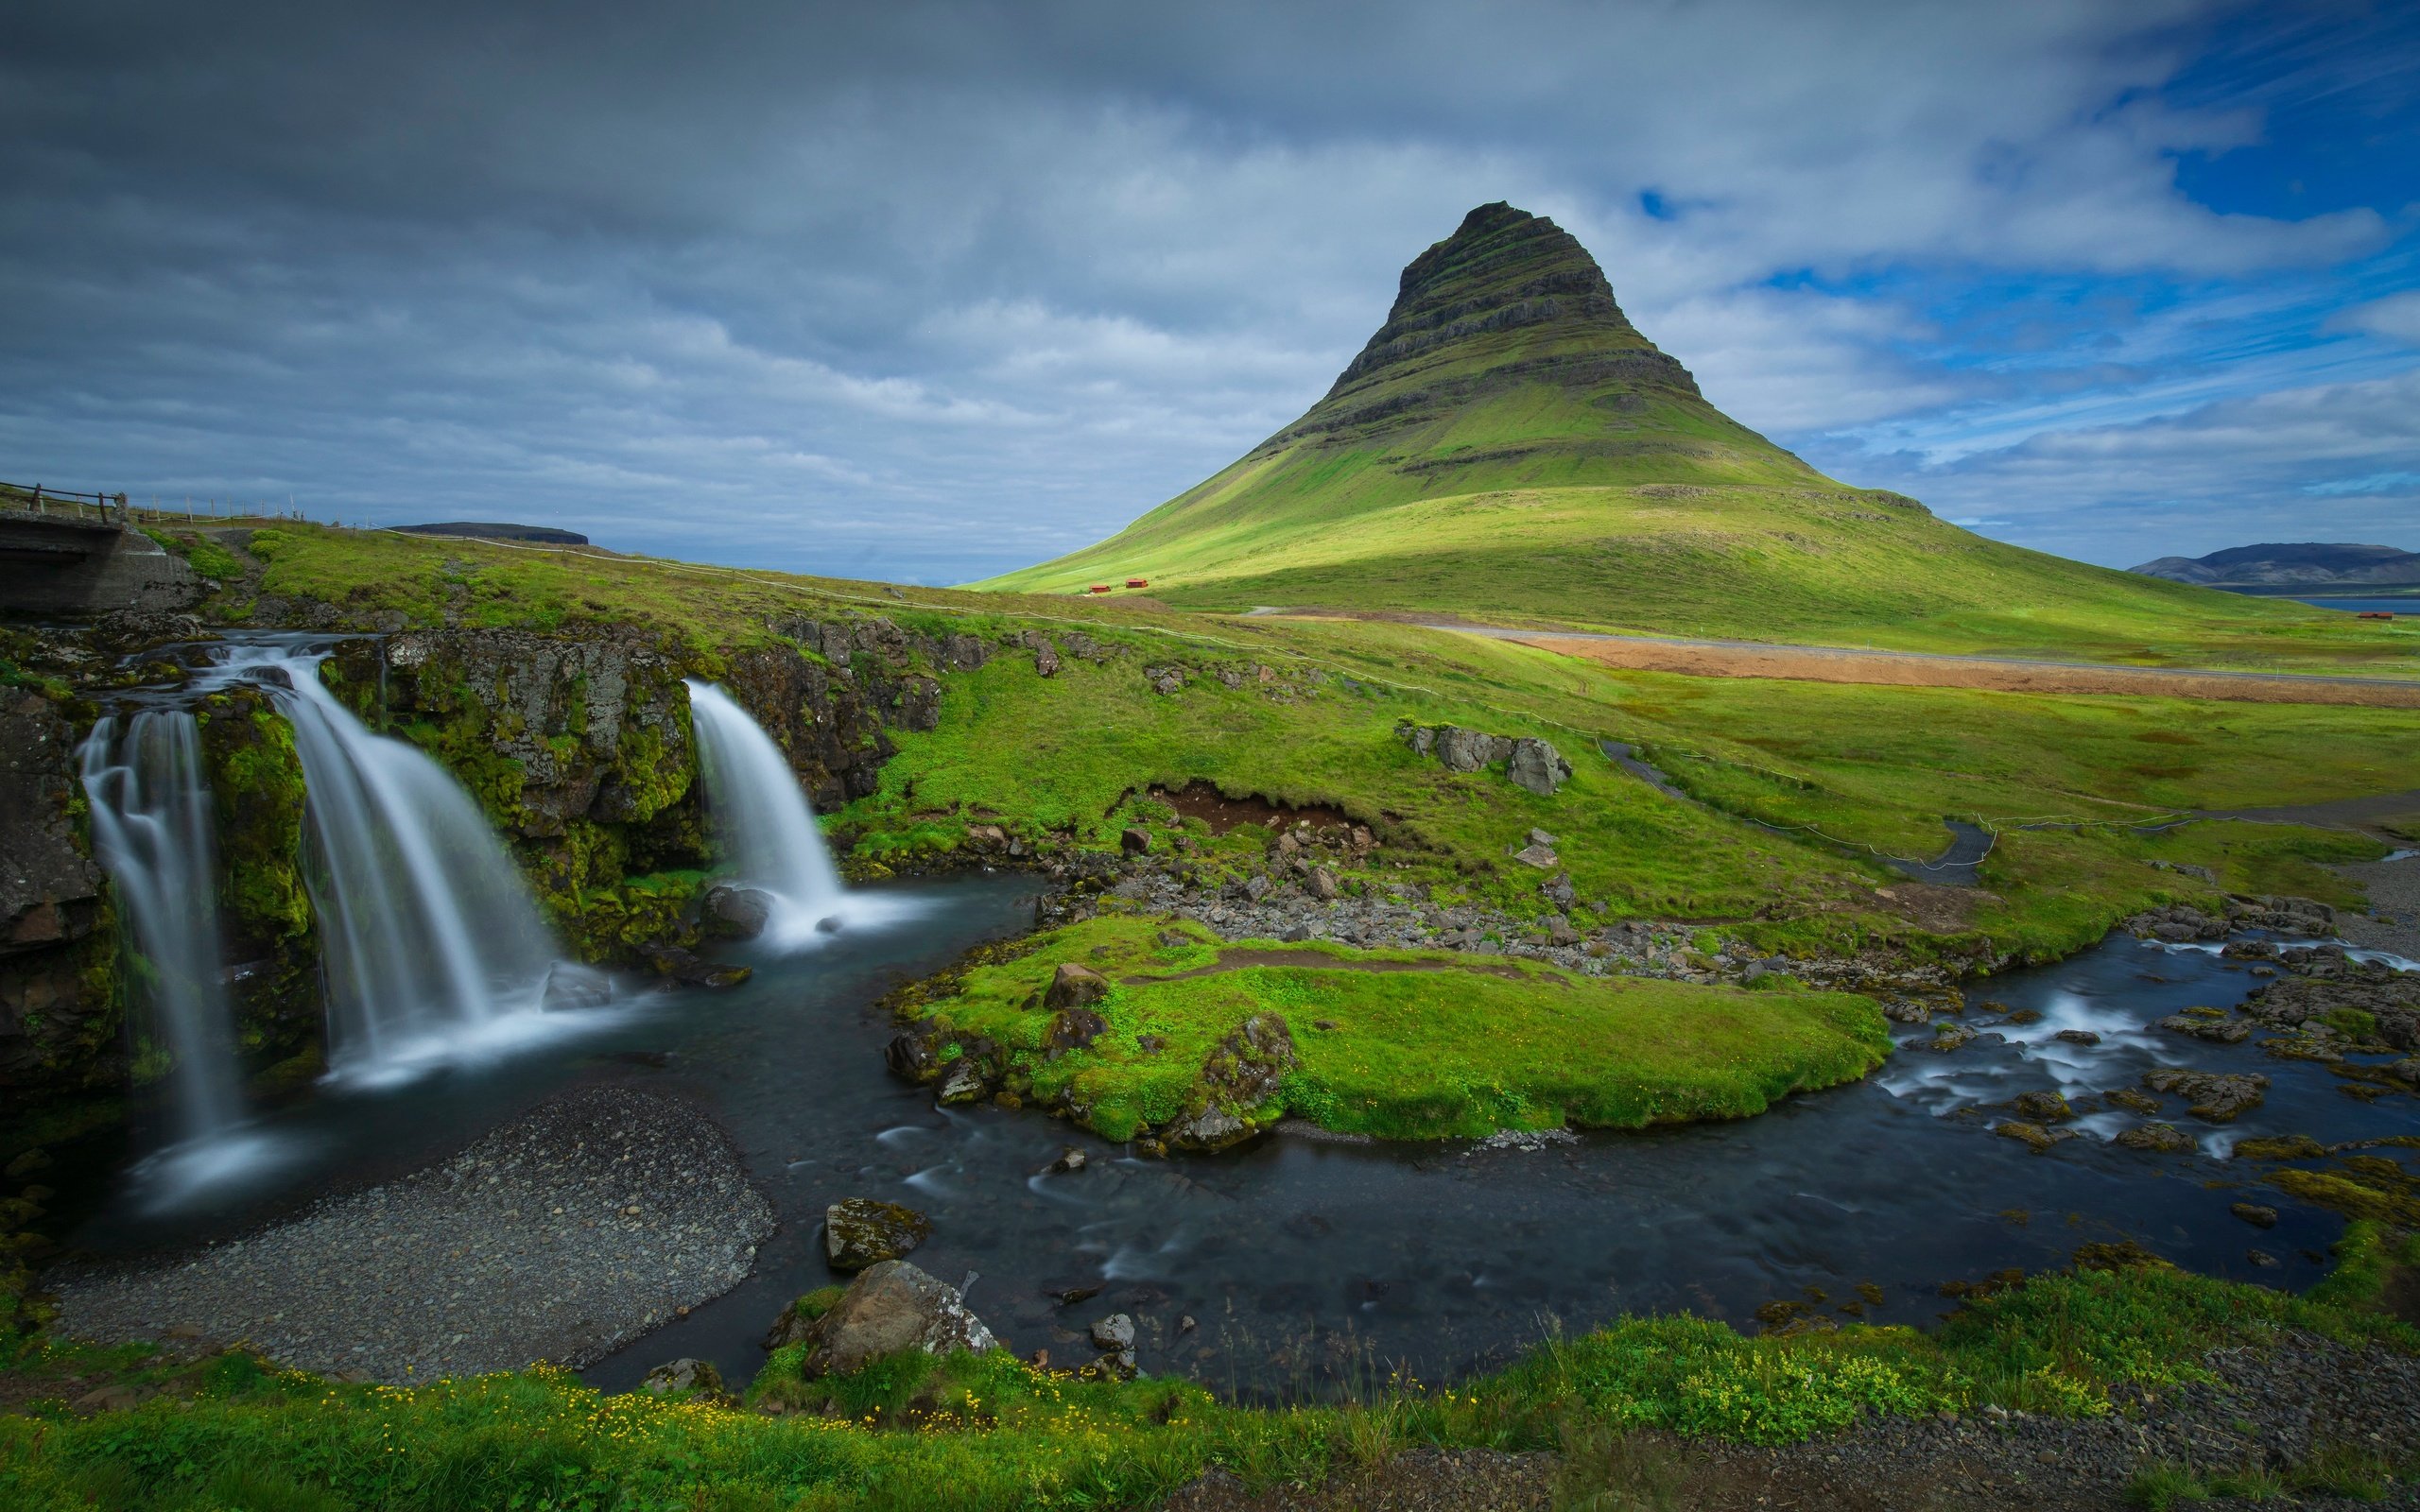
pixel 1847 770
pixel 1445 1044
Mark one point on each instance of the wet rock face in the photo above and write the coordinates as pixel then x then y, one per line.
pixel 547 731
pixel 52 1029
pixel 736 913
pixel 859 1232
pixel 889 1307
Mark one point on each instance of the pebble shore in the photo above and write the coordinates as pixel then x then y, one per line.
pixel 559 1237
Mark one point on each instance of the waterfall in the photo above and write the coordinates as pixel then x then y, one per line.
pixel 152 834
pixel 762 825
pixel 431 945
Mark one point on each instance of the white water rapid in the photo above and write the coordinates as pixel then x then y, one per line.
pixel 153 834
pixel 433 950
pixel 764 829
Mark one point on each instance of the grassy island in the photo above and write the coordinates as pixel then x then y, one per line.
pixel 1401 1044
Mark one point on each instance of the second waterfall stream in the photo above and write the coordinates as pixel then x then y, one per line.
pixel 764 829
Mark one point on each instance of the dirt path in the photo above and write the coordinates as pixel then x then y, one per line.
pixel 1923 669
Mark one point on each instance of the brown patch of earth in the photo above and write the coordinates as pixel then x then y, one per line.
pixel 1820 665
pixel 1318 961
pixel 1203 800
pixel 1936 910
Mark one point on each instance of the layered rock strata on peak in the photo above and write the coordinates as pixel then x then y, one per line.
pixel 1449 338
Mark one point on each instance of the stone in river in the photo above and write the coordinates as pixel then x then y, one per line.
pixel 859 1232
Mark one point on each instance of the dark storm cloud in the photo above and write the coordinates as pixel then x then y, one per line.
pixel 929 290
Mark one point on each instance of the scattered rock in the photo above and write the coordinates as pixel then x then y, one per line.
pixel 2043 1106
pixel 1115 1331
pixel 1072 1158
pixel 2219 1097
pixel 684 1378
pixel 1534 854
pixel 2279 1147
pixel 964 1084
pixel 2078 1037
pixel 859 1232
pixel 1074 1029
pixel 2220 1032
pixel 2162 1139
pixel 891 1306
pixel 1134 841
pixel 2255 1214
pixel 689 969
pixel 2033 1136
pixel 1947 1037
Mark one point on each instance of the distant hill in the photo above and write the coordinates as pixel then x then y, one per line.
pixel 482 530
pixel 2278 564
pixel 1509 445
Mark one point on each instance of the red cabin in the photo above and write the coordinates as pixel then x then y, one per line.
pixel 1138 582
pixel 2374 614
pixel 1097 588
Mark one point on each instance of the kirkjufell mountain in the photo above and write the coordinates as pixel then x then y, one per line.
pixel 1509 445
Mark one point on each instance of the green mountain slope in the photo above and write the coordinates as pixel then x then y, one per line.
pixel 1509 446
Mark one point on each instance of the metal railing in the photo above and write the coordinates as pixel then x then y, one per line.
pixel 117 510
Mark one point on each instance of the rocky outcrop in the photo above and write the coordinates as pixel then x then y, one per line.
pixel 888 1308
pixel 1529 763
pixel 59 1017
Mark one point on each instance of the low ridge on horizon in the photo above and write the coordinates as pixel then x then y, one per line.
pixel 1508 444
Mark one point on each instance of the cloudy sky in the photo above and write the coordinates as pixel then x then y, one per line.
pixel 925 291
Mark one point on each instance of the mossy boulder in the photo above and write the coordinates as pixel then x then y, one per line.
pixel 859 1232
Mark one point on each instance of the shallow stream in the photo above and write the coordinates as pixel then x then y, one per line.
pixel 1304 1260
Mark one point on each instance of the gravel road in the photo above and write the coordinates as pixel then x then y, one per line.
pixel 558 1237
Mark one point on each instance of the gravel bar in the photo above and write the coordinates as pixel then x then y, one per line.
pixel 559 1237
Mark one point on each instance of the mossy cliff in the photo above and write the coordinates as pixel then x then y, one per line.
pixel 579 747
pixel 272 944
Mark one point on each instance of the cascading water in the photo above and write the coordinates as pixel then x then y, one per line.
pixel 432 947
pixel 152 832
pixel 763 826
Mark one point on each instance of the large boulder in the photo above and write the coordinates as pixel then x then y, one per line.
pixel 1470 751
pixel 859 1232
pixel 1538 767
pixel 736 913
pixel 1073 987
pixel 888 1308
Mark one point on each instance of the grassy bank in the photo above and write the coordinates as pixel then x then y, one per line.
pixel 1401 1044
pixel 910 1432
pixel 1844 772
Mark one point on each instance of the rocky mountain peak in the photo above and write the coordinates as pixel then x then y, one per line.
pixel 1507 290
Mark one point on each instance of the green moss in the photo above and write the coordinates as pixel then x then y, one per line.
pixel 265 904
pixel 1407 1044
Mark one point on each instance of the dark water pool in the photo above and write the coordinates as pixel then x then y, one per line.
pixel 1303 1262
